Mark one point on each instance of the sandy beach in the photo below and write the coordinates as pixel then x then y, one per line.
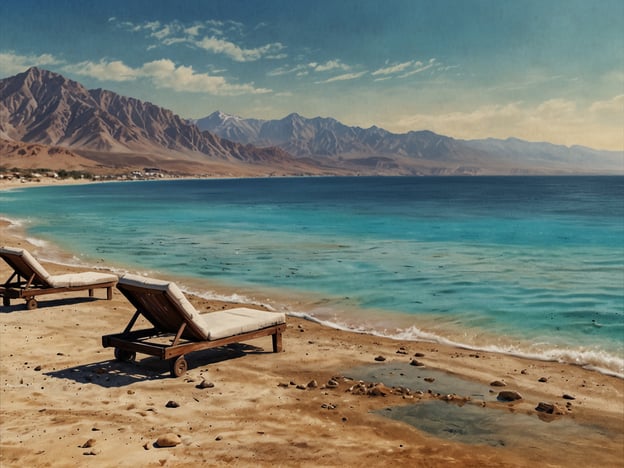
pixel 65 401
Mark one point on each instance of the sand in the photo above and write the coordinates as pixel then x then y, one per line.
pixel 65 401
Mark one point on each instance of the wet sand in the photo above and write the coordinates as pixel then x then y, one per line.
pixel 65 401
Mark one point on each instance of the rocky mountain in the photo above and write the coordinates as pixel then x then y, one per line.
pixel 330 139
pixel 39 106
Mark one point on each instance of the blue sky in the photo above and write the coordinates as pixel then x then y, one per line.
pixel 544 70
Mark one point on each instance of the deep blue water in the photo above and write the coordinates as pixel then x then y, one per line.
pixel 530 265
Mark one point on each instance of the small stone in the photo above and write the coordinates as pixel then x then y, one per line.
pixel 172 404
pixel 219 437
pixel 88 444
pixel 92 452
pixel 545 407
pixel 312 384
pixel 543 379
pixel 419 354
pixel 379 390
pixel 414 362
pixel 380 358
pixel 429 379
pixel 568 397
pixel 331 383
pixel 401 350
pixel 524 372
pixel 205 384
pixel 498 383
pixel 509 395
pixel 301 387
pixel 168 440
pixel 283 384
pixel 146 446
pixel 38 368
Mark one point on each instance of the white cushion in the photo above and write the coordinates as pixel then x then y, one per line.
pixel 29 260
pixel 185 308
pixel 240 320
pixel 79 280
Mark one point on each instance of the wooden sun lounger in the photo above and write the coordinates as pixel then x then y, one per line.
pixel 179 329
pixel 30 279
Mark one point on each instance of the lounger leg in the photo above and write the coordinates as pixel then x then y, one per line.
pixel 109 293
pixel 90 292
pixel 277 342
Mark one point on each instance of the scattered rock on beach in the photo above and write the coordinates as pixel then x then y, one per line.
pixel 568 397
pixel 331 383
pixel 379 390
pixel 401 350
pixel 88 444
pixel 172 404
pixel 380 358
pixel 416 363
pixel 205 384
pixel 549 408
pixel 312 384
pixel 419 354
pixel 498 383
pixel 543 379
pixel 168 440
pixel 509 395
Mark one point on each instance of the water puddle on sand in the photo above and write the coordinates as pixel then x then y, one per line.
pixel 474 423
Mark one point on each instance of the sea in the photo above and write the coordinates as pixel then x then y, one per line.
pixel 529 266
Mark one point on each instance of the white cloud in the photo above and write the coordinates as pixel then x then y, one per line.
pixel 217 42
pixel 419 68
pixel 165 73
pixel 392 69
pixel 12 63
pixel 344 77
pixel 329 65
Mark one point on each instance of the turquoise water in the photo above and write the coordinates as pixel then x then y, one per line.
pixel 525 265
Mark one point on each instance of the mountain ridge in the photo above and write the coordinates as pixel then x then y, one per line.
pixel 112 132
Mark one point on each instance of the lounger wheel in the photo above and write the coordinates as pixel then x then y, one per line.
pixel 124 355
pixel 178 366
pixel 6 301
pixel 31 303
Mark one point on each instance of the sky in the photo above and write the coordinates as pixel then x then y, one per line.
pixel 539 70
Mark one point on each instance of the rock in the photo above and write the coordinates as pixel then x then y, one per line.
pixel 429 379
pixel 498 383
pixel 379 390
pixel 419 354
pixel 331 383
pixel 312 384
pixel 204 384
pixel 168 440
pixel 380 358
pixel 172 404
pixel 38 368
pixel 283 384
pixel 92 452
pixel 568 397
pixel 545 407
pixel 300 387
pixel 401 350
pixel 509 395
pixel 414 362
pixel 88 444
pixel 543 379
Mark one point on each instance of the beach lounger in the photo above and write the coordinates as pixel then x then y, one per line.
pixel 179 329
pixel 30 279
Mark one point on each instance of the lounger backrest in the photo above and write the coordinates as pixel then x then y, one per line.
pixel 25 265
pixel 163 305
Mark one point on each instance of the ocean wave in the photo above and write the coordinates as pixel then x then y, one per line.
pixel 590 359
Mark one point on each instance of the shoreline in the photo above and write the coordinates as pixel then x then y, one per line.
pixel 60 389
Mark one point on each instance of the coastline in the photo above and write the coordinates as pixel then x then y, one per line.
pixel 60 388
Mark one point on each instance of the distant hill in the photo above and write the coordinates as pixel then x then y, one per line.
pixel 47 120
pixel 329 139
pixel 39 106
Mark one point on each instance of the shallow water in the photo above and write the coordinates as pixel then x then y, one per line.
pixel 525 265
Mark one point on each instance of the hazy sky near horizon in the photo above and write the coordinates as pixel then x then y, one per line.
pixel 540 70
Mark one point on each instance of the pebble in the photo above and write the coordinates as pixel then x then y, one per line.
pixel 331 383
pixel 414 362
pixel 380 358
pixel 568 397
pixel 88 444
pixel 543 379
pixel 312 384
pixel 172 404
pixel 205 384
pixel 168 440
pixel 498 383
pixel 419 355
pixel 509 395
pixel 401 350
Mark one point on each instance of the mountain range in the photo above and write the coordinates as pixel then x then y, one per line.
pixel 47 120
